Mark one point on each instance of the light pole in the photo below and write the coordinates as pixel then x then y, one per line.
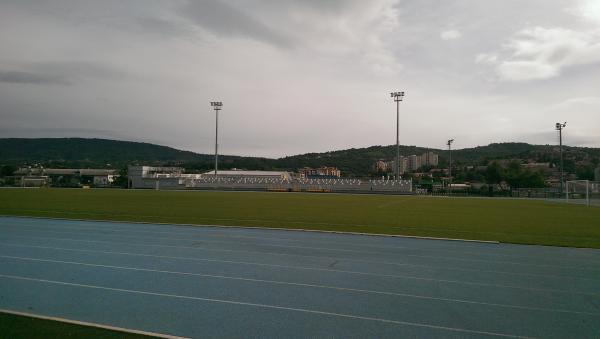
pixel 216 105
pixel 398 96
pixel 559 128
pixel 450 166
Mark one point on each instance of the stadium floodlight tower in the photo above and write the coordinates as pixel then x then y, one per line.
pixel 398 96
pixel 559 128
pixel 217 106
pixel 449 143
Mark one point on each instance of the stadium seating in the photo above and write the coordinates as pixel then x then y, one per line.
pixel 297 184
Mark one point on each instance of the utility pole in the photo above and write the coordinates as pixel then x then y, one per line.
pixel 450 166
pixel 216 105
pixel 559 128
pixel 398 96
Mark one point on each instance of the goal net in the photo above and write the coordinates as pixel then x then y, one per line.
pixel 583 192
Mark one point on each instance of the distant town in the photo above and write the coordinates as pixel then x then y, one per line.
pixel 497 169
pixel 410 163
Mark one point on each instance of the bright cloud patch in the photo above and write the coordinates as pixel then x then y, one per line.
pixel 542 53
pixel 590 9
pixel 450 35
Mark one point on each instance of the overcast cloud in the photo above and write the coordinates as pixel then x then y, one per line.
pixel 301 76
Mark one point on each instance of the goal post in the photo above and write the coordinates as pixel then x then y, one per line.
pixel 583 192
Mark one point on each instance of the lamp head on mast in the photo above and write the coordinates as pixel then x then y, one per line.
pixel 398 96
pixel 216 105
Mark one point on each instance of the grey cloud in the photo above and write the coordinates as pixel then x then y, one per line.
pixel 221 18
pixel 550 137
pixel 61 73
pixel 145 68
pixel 160 26
pixel 21 77
pixel 330 6
pixel 80 69
pixel 58 132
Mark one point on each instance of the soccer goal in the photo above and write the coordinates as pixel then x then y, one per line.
pixel 583 192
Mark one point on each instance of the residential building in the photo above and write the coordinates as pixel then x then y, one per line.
pixel 404 167
pixel 321 172
pixel 429 159
pixel 382 165
pixel 408 163
pixel 414 162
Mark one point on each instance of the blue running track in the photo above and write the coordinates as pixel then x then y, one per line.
pixel 213 282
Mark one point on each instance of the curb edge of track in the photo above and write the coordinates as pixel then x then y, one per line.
pixel 261 228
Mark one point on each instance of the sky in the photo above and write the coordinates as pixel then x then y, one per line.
pixel 298 76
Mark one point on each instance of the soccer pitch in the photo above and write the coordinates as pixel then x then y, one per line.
pixel 505 220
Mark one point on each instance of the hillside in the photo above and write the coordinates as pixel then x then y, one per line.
pixel 79 152
pixel 360 160
pixel 90 152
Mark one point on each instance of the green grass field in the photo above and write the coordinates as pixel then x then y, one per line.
pixel 22 327
pixel 505 220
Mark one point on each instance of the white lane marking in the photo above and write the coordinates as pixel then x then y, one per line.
pixel 207 231
pixel 277 282
pixel 395 276
pixel 294 309
pixel 345 250
pixel 211 241
pixel 446 268
pixel 89 324
pixel 202 230
pixel 212 234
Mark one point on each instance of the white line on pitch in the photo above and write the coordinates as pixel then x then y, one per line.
pixel 277 282
pixel 241 303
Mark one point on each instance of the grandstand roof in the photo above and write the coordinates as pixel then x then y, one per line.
pixel 250 173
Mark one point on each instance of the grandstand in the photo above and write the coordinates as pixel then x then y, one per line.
pixel 174 178
pixel 300 184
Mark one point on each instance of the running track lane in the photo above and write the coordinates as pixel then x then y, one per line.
pixel 213 282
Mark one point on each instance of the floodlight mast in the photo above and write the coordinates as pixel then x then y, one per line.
pixel 217 106
pixel 559 128
pixel 449 143
pixel 398 96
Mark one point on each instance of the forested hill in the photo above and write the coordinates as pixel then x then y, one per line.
pixel 79 152
pixel 89 152
pixel 360 159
